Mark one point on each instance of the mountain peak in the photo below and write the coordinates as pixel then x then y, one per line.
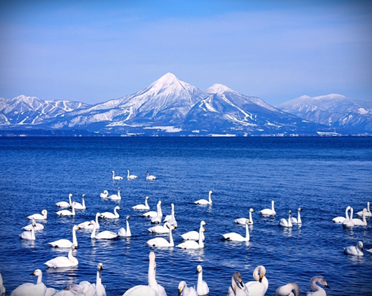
pixel 219 88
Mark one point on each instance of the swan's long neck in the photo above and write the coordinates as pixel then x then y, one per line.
pixel 146 204
pixel 39 279
pixel 289 220
pixel 368 207
pixel 351 213
pixel 171 242
pixel 160 213
pixel 314 286
pixel 347 213
pixel 128 173
pixel 99 278
pixel 247 237
pixel 151 276
pixel 364 217
pixel 33 232
pixel 201 243
pixel 200 281
pixel 272 206
pixel 210 197
pixel 250 216
pixel 115 212
pixel 83 201
pixel 93 235
pixel 128 229
pixel 299 217
pixel 74 239
pixel 172 211
pixel 97 224
pixel 69 199
pixel 73 209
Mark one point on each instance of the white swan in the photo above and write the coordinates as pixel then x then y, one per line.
pixel 35 226
pixel 298 220
pixel 125 233
pixel 349 220
pixel 268 212
pixel 204 201
pixel 103 234
pixel 2 288
pixel 201 286
pixel 171 219
pixel 260 284
pixel 109 215
pixel 116 177
pixel 286 223
pixel 340 219
pixel 28 235
pixel 104 194
pixel 160 242
pixel 368 213
pixel 191 244
pixel 88 289
pixel 88 225
pixel 287 290
pixel 67 212
pixel 194 235
pixel 38 289
pixel 65 204
pixel 160 229
pixel 369 251
pixel 43 216
pixel 153 288
pixel 141 206
pixel 65 243
pixel 115 196
pixel 153 214
pixel 80 206
pixel 131 177
pixel 316 290
pixel 354 250
pixel 150 177
pixel 236 237
pixel 159 214
pixel 185 290
pixel 237 287
pixel 60 261
pixel 363 222
pixel 242 221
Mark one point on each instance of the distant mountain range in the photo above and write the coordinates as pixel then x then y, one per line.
pixel 172 107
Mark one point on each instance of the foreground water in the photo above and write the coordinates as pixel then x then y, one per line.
pixel 320 175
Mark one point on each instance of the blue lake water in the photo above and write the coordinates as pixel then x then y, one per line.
pixel 320 175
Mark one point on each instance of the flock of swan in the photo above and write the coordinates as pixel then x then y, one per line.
pixel 191 240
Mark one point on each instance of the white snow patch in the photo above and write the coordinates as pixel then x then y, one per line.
pixel 362 111
pixel 168 129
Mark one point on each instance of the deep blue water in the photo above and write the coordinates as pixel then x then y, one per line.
pixel 321 175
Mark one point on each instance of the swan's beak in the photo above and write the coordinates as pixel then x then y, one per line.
pixel 326 285
pixel 33 273
pixel 179 292
pixel 77 227
pixel 101 267
pixel 197 270
pixel 261 277
pixel 240 285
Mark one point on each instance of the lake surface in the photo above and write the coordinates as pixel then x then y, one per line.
pixel 320 175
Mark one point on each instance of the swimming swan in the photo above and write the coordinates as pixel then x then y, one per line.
pixel 260 284
pixel 115 196
pixel 81 206
pixel 65 204
pixel 185 290
pixel 286 223
pixel 159 214
pixel 171 218
pixel 204 201
pixel 67 212
pixel 116 177
pixel 153 288
pixel 150 177
pixel 34 289
pixel 131 177
pixel 88 225
pixel 141 206
pixel 287 289
pixel 88 289
pixel 160 242
pixel 28 235
pixel 201 287
pixel 35 226
pixel 125 233
pixel 109 215
pixel 60 261
pixel 298 220
pixel 160 229
pixel 237 287
pixel 268 212
pixel 65 243
pixel 194 235
pixel 103 234
pixel 316 290
pixel 340 219
pixel 354 250
pixel 236 237
pixel 104 194
pixel 349 219
pixel 43 216
pixel 243 220
pixel 363 222
pixel 368 213
pixel 191 244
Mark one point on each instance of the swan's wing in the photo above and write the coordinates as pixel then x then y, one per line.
pixel 140 290
pixel 61 243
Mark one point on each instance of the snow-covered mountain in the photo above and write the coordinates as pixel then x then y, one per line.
pixel 333 110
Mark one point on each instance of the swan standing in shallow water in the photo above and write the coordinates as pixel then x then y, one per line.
pixel 349 219
pixel 160 242
pixel 237 287
pixel 104 194
pixel 65 204
pixel 243 220
pixel 88 225
pixel 259 286
pixel 109 215
pixel 35 226
pixel 287 289
pixel 65 243
pixel 150 177
pixel 81 206
pixel 28 235
pixel 236 237
pixel 141 206
pixel 43 216
pixel 340 219
pixel 193 245
pixel 103 234
pixel 125 233
pixel 358 222
pixel 153 288
pixel 131 177
pixel 368 213
pixel 67 212
pixel 185 290
pixel 201 287
pixel 286 223
pixel 298 220
pixel 204 201
pixel 354 250
pixel 116 177
pixel 34 289
pixel 60 261
pixel 268 212
pixel 316 290
pixel 195 235
pixel 115 196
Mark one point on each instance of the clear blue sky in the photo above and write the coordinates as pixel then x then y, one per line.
pixel 94 51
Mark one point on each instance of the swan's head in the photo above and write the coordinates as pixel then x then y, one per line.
pixel 92 222
pixel 181 286
pixel 321 280
pixel 118 207
pixel 128 217
pixel 44 212
pixel 210 191
pixel 251 210
pixel 237 278
pixel 247 221
pixel 70 195
pixel 100 266
pixel 37 272
pixel 74 247
pixel 83 196
pixel 147 197
pixel 360 245
pixel 199 269
pixel 299 209
pixel 289 212
pixel 76 227
pixel 203 223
